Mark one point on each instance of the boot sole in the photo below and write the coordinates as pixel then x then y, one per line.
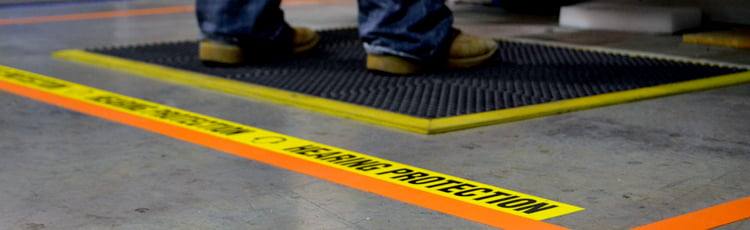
pixel 391 65
pixel 220 54
pixel 469 62
pixel 227 55
pixel 400 66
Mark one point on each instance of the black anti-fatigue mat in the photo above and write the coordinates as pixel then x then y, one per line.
pixel 519 75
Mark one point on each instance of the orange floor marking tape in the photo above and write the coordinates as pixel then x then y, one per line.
pixel 708 218
pixel 99 15
pixel 131 13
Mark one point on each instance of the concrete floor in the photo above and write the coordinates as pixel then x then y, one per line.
pixel 628 165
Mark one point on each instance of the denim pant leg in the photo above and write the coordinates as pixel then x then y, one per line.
pixel 415 29
pixel 255 23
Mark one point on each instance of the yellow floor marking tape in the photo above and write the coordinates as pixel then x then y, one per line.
pixel 737 38
pixel 386 118
pixel 460 197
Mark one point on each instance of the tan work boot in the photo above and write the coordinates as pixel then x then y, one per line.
pixel 226 54
pixel 466 51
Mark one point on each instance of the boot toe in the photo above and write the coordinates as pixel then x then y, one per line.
pixel 304 39
pixel 468 51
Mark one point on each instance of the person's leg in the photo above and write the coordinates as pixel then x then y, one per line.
pixel 414 29
pixel 409 36
pixel 236 30
pixel 243 22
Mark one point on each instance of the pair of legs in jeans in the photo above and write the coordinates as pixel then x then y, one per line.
pixel 399 36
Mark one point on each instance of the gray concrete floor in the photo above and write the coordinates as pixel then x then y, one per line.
pixel 628 165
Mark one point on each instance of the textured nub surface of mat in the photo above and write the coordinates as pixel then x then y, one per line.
pixel 519 75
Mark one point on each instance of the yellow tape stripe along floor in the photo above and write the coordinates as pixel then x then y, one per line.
pixel 471 200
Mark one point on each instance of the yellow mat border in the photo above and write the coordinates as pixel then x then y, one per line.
pixel 396 120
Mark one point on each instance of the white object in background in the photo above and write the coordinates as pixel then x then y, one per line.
pixel 629 17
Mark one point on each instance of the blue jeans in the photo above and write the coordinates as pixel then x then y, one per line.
pixel 418 30
pixel 255 24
